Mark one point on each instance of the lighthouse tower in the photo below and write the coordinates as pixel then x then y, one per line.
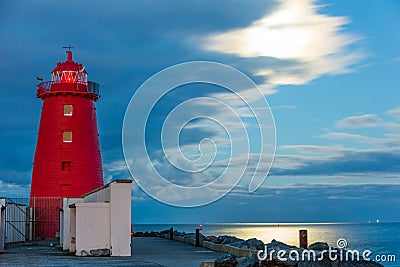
pixel 67 160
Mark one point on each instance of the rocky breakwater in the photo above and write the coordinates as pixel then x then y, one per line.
pixel 278 254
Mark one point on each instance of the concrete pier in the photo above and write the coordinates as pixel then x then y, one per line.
pixel 146 252
pixel 171 253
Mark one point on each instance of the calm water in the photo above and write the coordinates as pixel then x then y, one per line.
pixel 380 238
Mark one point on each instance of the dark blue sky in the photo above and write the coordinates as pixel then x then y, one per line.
pixel 329 70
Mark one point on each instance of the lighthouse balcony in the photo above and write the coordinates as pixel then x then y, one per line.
pixel 89 88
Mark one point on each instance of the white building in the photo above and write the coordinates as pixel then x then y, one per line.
pixel 99 222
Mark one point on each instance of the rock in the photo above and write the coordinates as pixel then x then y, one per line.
pixel 211 238
pixel 247 262
pixel 193 236
pixel 276 263
pixel 369 264
pixel 176 233
pixel 226 261
pixel 100 252
pixel 360 263
pixel 190 235
pixel 277 245
pixel 318 246
pixel 83 253
pixel 239 244
pixel 325 262
pixel 226 239
pixel 254 243
pixel 272 259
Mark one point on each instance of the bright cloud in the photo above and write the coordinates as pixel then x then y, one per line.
pixel 294 31
pixel 313 44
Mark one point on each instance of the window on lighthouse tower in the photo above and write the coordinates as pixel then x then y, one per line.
pixel 66 166
pixel 67 136
pixel 67 110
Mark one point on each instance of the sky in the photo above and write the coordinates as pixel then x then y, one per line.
pixel 328 70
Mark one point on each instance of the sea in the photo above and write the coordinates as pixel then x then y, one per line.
pixel 382 239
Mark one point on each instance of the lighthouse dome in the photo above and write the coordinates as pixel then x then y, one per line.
pixel 69 71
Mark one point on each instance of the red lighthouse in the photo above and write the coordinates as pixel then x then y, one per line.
pixel 67 160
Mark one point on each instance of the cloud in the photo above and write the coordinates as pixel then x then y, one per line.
pixel 357 162
pixel 368 121
pixel 357 137
pixel 283 107
pixel 389 141
pixel 12 189
pixel 361 157
pixel 306 43
pixel 12 176
pixel 314 149
pixel 381 155
pixel 362 121
pixel 395 113
pixel 302 191
pixel 294 31
pixel 115 170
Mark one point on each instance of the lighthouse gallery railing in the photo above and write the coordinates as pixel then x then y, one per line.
pixel 91 87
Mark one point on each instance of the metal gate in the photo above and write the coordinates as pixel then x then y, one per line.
pixel 46 216
pixel 17 220
pixel 32 218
